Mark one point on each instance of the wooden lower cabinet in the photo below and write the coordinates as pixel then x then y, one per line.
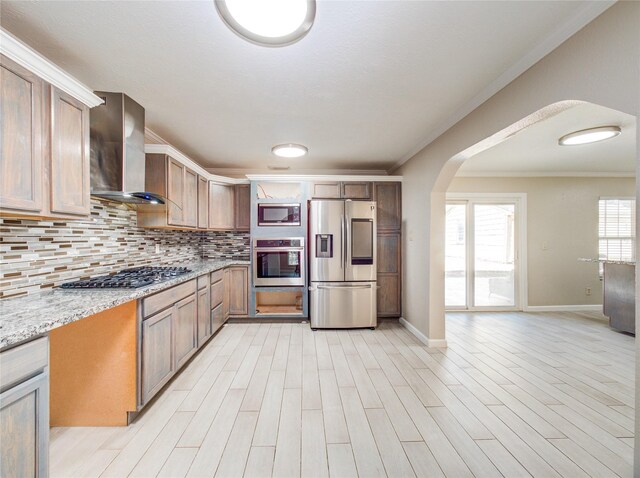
pixel 217 318
pixel 389 264
pixel 389 295
pixel 185 332
pixel 204 319
pixel 24 410
pixel 158 365
pixel 238 286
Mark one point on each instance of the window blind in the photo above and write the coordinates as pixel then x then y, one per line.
pixel 616 229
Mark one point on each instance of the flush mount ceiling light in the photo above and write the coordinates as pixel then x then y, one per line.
pixel 590 135
pixel 289 150
pixel 268 22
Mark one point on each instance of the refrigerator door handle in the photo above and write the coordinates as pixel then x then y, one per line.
pixel 363 286
pixel 342 242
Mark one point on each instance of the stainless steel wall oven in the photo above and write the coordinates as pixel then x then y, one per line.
pixel 279 262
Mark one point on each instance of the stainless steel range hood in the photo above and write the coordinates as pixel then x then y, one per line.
pixel 117 151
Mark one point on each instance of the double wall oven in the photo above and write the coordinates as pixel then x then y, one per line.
pixel 279 262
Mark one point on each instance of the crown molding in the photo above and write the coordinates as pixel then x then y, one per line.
pixel 321 177
pixel 33 61
pixel 241 172
pixel 190 163
pixel 545 174
pixel 584 16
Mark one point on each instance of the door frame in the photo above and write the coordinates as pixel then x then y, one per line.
pixel 521 295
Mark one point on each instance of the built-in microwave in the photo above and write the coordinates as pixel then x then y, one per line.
pixel 270 214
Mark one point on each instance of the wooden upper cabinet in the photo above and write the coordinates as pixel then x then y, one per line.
pixel 21 139
pixel 175 192
pixel 171 179
pixel 190 209
pixel 356 190
pixel 203 203
pixel 221 199
pixel 242 207
pixel 69 170
pixel 341 190
pixel 326 190
pixel 388 195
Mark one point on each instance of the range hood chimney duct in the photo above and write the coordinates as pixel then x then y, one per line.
pixel 117 151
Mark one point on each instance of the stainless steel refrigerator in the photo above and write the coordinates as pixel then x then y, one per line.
pixel 342 263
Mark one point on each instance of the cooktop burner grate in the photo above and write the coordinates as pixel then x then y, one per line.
pixel 129 278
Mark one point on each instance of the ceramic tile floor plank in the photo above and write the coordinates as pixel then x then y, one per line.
pixel 335 425
pixel 341 461
pixel 288 445
pixel 314 447
pixel 236 452
pixel 178 463
pixel 260 462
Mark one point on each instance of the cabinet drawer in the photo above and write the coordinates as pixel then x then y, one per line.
pixel 217 294
pixel 203 281
pixel 167 298
pixel 18 363
pixel 217 276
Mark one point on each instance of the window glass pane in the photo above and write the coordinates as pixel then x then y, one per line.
pixel 494 251
pixel 455 256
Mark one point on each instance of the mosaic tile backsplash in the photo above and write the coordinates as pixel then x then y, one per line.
pixel 36 255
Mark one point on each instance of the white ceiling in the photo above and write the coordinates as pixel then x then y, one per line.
pixel 370 83
pixel 535 150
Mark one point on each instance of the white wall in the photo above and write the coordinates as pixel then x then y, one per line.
pixel 599 64
pixel 562 226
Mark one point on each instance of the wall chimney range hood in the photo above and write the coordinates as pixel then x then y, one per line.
pixel 117 151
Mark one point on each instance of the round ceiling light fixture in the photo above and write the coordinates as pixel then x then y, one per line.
pixel 289 150
pixel 268 22
pixel 591 135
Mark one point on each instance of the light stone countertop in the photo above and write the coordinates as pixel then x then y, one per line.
pixel 25 317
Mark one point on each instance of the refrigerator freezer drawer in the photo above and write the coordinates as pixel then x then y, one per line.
pixel 343 305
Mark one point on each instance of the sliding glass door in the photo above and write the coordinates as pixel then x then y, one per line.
pixel 481 254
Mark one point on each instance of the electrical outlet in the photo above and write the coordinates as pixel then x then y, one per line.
pixel 587 290
pixel 157 248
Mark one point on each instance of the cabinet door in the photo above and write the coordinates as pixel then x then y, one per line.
pixel 204 312
pixel 24 434
pixel 217 318
pixel 389 274
pixel 185 333
pixel 242 207
pixel 157 353
pixel 225 297
pixel 389 259
pixel 389 199
pixel 203 203
pixel 217 293
pixel 190 198
pixel 21 148
pixel 221 200
pixel 356 190
pixel 238 290
pixel 389 295
pixel 175 193
pixel 326 190
pixel 69 168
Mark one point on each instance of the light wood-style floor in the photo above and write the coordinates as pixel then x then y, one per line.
pixel 515 394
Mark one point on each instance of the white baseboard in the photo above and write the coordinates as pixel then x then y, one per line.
pixel 564 308
pixel 439 343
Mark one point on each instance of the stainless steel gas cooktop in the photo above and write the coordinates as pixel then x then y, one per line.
pixel 129 278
